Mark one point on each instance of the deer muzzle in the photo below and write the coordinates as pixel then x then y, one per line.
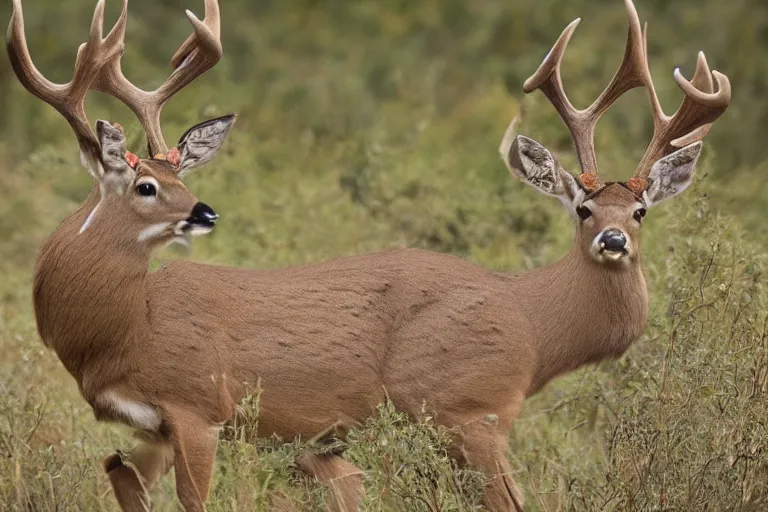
pixel 611 244
pixel 613 240
pixel 202 219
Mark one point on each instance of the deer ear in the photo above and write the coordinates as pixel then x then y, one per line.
pixel 115 170
pixel 533 164
pixel 201 142
pixel 672 174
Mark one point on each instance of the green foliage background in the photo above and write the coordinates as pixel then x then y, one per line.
pixel 371 124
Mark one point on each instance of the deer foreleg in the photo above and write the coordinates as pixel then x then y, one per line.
pixel 131 482
pixel 194 447
pixel 341 476
pixel 482 447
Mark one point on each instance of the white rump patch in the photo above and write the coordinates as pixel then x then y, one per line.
pixel 135 414
pixel 153 231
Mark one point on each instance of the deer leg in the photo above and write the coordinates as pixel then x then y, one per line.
pixel 341 476
pixel 483 448
pixel 130 492
pixel 194 448
pixel 149 462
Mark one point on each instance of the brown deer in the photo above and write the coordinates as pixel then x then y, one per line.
pixel 171 353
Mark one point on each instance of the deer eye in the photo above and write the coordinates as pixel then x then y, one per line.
pixel 639 214
pixel 583 212
pixel 146 189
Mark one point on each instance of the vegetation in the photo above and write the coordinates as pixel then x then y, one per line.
pixel 371 124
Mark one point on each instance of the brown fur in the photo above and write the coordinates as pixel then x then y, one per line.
pixel 326 342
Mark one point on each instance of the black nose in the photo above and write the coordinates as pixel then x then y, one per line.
pixel 613 240
pixel 203 215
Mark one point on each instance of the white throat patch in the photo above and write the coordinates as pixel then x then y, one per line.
pixel 153 231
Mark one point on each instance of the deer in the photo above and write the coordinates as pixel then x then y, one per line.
pixel 171 353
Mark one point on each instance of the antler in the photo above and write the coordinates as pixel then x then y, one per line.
pixel 98 67
pixel 196 55
pixel 692 121
pixel 68 98
pixel 707 96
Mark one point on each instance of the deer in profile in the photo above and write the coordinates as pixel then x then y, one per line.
pixel 170 353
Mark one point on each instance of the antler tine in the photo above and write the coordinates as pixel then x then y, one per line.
pixel 197 54
pixel 22 64
pixel 549 80
pixel 68 99
pixel 707 96
pixel 633 72
pixel 208 32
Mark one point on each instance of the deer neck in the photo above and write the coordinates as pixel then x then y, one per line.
pixel 90 289
pixel 583 312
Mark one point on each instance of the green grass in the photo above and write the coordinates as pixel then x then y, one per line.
pixel 368 125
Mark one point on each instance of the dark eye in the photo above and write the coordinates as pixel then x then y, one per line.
pixel 146 189
pixel 639 214
pixel 583 212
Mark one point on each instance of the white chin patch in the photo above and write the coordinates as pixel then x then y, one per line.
pixel 199 230
pixel 180 228
pixel 181 240
pixel 183 231
pixel 613 256
pixel 180 234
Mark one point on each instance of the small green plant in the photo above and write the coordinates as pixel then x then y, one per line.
pixel 408 467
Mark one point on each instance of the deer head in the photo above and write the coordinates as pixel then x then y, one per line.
pixel 609 214
pixel 144 197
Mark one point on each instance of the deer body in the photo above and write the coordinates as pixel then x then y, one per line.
pixel 327 340
pixel 171 353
